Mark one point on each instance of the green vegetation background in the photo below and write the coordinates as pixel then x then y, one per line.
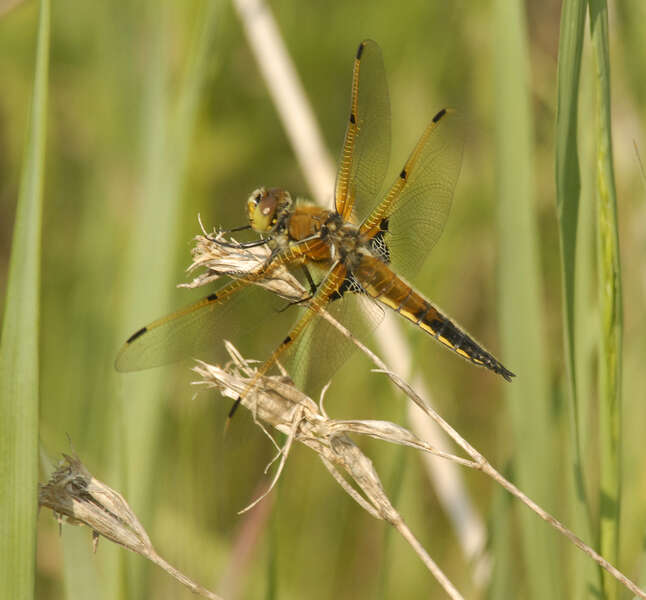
pixel 126 139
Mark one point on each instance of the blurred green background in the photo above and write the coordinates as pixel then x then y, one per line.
pixel 157 112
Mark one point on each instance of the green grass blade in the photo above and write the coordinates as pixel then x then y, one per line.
pixel 19 365
pixel 152 277
pixel 568 182
pixel 610 303
pixel 520 297
pixel 568 190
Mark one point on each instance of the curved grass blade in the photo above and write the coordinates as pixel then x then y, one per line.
pixel 19 365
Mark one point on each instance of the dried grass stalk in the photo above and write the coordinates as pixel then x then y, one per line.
pixel 74 494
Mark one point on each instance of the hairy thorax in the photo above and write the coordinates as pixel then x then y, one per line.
pixel 342 239
pixel 345 241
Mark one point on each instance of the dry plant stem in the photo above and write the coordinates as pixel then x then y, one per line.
pixel 428 561
pixel 276 402
pixel 205 257
pixel 72 492
pixel 7 5
pixel 287 94
pixel 481 463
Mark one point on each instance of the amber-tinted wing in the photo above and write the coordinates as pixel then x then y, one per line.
pixel 197 330
pixel 413 213
pixel 315 348
pixel 235 312
pixel 263 327
pixel 366 148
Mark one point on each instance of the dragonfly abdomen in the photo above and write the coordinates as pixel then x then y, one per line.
pixel 384 285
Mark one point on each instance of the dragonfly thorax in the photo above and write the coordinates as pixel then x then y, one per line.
pixel 344 239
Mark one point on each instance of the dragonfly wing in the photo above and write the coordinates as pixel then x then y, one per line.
pixel 319 343
pixel 325 348
pixel 411 217
pixel 366 148
pixel 236 312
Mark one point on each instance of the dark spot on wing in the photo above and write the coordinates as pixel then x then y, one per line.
pixel 233 409
pixel 287 340
pixel 360 50
pixel 378 243
pixel 136 334
pixel 352 118
pixel 349 284
pixel 439 115
pixel 212 297
pixel 403 174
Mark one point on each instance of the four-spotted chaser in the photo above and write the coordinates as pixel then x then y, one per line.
pixel 353 256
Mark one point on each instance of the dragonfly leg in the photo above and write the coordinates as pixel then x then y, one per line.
pixel 237 245
pixel 308 276
pixel 223 231
pixel 312 285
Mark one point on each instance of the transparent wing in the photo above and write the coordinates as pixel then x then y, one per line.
pixel 412 215
pixel 366 148
pixel 322 349
pixel 257 322
pixel 254 319
pixel 314 348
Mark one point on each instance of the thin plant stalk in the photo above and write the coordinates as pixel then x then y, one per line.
pixel 213 256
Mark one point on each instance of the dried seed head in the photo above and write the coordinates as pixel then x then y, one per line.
pixel 219 257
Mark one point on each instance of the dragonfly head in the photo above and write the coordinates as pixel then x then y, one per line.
pixel 267 208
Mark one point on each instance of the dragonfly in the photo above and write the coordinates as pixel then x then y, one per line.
pixel 356 257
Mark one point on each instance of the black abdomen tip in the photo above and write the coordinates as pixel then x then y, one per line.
pixel 505 373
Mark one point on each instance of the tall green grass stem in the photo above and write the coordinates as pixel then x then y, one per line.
pixel 610 302
pixel 19 357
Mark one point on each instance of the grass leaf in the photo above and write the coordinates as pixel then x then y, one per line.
pixel 19 364
pixel 520 296
pixel 568 190
pixel 610 303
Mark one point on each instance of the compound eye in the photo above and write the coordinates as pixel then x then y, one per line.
pixel 267 206
pixel 263 216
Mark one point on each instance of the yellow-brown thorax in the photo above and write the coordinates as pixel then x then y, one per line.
pixel 272 211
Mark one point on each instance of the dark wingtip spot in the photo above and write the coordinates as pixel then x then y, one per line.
pixel 287 340
pixel 403 174
pixel 352 118
pixel 439 115
pixel 234 407
pixel 136 334
pixel 212 297
pixel 383 226
pixel 360 50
